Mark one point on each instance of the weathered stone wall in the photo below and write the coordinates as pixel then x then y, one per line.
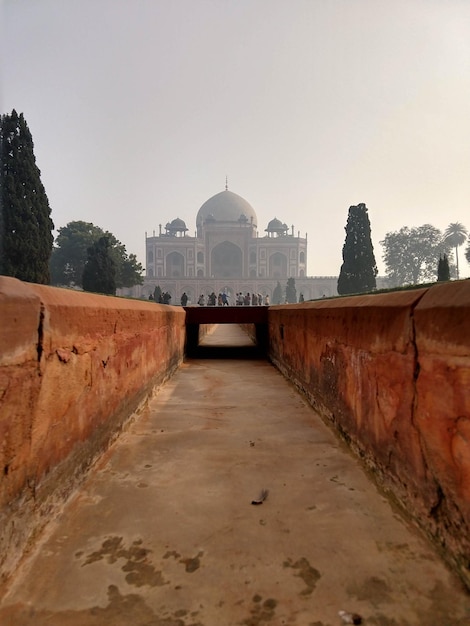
pixel 391 372
pixel 205 329
pixel 73 369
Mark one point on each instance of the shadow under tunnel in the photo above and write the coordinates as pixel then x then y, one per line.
pixel 227 341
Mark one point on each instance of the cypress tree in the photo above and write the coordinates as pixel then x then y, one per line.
pixel 291 291
pixel 443 270
pixel 99 274
pixel 157 294
pixel 25 224
pixel 359 269
pixel 277 294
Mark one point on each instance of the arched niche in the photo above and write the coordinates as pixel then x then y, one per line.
pixel 278 265
pixel 226 261
pixel 175 265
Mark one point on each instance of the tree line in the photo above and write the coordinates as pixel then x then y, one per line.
pixel 412 256
pixel 86 256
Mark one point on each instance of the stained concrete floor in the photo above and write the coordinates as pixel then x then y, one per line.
pixel 163 532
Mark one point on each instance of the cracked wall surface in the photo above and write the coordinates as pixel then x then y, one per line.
pixel 74 367
pixel 391 372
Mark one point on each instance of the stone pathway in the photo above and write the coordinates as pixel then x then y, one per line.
pixel 163 532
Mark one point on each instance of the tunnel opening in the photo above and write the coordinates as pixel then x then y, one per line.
pixel 226 332
pixel 226 341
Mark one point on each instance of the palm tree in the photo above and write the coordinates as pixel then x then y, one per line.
pixel 456 235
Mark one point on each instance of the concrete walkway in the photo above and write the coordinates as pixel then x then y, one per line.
pixel 163 532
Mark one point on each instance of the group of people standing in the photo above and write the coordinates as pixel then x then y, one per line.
pixel 163 298
pixel 213 300
pixel 253 299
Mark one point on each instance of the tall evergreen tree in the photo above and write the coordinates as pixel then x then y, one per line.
pixel 25 217
pixel 443 271
pixel 157 294
pixel 99 274
pixel 359 268
pixel 277 294
pixel 291 291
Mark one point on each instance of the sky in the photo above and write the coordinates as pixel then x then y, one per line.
pixel 140 109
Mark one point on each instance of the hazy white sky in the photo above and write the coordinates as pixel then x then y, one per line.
pixel 140 108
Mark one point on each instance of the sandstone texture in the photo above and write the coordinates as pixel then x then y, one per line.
pixel 391 373
pixel 442 412
pixel 74 367
pixel 163 533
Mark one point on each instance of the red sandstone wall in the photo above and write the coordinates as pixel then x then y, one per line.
pixel 205 329
pixel 391 372
pixel 73 368
pixel 250 330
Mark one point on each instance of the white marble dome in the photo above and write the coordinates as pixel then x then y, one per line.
pixel 226 206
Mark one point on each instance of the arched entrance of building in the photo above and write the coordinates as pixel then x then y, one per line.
pixel 278 265
pixel 175 265
pixel 226 261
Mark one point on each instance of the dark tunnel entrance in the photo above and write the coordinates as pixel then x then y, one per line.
pixel 248 338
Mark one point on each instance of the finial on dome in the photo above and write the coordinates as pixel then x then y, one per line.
pixel 226 183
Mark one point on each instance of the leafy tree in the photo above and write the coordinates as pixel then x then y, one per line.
pixel 410 254
pixel 277 294
pixel 455 235
pixel 443 271
pixel 99 274
pixel 25 223
pixel 70 255
pixel 128 269
pixel 291 291
pixel 359 269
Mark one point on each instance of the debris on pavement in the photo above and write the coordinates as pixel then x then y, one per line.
pixel 261 498
pixel 350 618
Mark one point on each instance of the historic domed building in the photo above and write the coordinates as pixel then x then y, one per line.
pixel 228 253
